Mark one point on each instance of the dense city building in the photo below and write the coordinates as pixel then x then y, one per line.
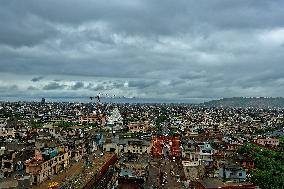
pixel 57 145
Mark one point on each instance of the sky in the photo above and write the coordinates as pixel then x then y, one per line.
pixel 142 48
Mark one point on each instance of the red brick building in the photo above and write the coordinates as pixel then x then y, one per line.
pixel 165 145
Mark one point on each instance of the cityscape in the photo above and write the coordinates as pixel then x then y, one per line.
pixel 141 94
pixel 106 145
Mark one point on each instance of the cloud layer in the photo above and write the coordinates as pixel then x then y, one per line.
pixel 142 48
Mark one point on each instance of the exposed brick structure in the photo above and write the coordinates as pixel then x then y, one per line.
pixel 162 143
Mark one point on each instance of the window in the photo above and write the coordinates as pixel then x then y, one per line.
pixel 240 174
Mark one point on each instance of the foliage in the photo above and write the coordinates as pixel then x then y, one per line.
pixel 65 124
pixel 281 139
pixel 269 164
pixel 36 124
pixel 94 124
pixel 162 118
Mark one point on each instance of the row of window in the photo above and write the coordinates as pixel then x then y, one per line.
pixel 56 159
pixel 265 142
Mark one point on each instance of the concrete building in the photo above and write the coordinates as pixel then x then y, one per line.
pixel 7 132
pixel 100 119
pixel 40 169
pixel 202 154
pixel 128 146
pixel 232 172
pixel 268 141
pixel 136 127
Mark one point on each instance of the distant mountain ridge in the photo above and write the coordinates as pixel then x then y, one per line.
pixel 245 102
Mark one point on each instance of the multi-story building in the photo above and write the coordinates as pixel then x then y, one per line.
pixel 166 146
pixel 128 146
pixel 8 161
pixel 41 169
pixel 100 119
pixel 233 173
pixel 136 127
pixel 268 141
pixel 202 154
pixel 7 132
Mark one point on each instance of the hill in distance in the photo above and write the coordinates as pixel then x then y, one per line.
pixel 251 102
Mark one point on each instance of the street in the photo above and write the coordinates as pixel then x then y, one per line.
pixel 164 174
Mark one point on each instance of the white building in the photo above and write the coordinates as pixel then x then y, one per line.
pixel 115 118
pixel 202 155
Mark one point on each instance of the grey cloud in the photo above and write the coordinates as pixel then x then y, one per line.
pixel 118 84
pixel 193 75
pixel 99 88
pixel 22 28
pixel 161 48
pixel 77 85
pixel 142 84
pixel 57 80
pixel 9 88
pixel 156 17
pixel 53 86
pixel 36 79
pixel 102 86
pixel 32 88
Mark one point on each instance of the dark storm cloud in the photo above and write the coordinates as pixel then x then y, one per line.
pixel 20 27
pixel 149 16
pixel 36 79
pixel 143 47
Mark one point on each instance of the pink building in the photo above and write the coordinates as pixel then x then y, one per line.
pixel 267 141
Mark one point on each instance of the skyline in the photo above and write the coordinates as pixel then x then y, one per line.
pixel 143 49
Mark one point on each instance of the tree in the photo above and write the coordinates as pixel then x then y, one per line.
pixel 36 124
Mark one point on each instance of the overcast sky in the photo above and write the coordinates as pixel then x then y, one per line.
pixel 142 48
